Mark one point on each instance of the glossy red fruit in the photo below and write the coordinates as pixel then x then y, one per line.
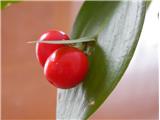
pixel 66 67
pixel 44 50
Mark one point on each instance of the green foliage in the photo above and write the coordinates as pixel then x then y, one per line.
pixel 116 27
pixel 7 3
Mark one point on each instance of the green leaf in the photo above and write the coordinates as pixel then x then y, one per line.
pixel 116 27
pixel 7 3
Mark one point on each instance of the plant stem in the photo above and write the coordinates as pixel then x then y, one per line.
pixel 84 39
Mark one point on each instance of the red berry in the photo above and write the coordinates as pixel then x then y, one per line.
pixel 66 67
pixel 44 50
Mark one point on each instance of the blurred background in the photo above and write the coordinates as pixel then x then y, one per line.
pixel 27 95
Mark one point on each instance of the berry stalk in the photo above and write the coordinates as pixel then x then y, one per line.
pixel 81 40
